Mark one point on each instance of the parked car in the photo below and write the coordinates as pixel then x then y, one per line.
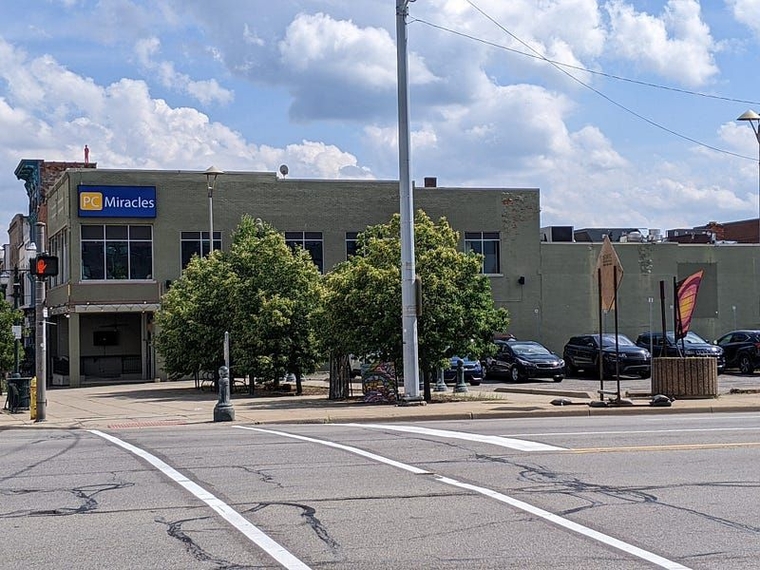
pixel 741 349
pixel 692 345
pixel 524 359
pixel 582 353
pixel 473 370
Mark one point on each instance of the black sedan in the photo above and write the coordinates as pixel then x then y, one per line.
pixel 582 352
pixel 741 349
pixel 691 345
pixel 524 359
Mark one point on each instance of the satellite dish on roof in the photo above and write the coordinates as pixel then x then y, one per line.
pixel 284 169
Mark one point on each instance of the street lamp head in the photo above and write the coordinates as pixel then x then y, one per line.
pixel 211 173
pixel 748 116
pixel 5 278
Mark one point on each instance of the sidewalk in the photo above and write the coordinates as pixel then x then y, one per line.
pixel 179 402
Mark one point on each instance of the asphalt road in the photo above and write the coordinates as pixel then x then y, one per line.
pixel 668 491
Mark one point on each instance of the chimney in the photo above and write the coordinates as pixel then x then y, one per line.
pixel 431 182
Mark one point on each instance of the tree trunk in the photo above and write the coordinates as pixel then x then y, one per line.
pixel 299 386
pixel 340 376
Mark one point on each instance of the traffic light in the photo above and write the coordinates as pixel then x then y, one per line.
pixel 44 266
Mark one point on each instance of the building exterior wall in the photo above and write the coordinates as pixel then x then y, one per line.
pixel 729 296
pixel 549 288
pixel 332 207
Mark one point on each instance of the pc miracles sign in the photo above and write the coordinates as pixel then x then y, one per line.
pixel 117 201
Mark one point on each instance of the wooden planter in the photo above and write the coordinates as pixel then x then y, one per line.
pixel 693 377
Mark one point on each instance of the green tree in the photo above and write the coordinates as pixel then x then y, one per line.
pixel 261 291
pixel 362 311
pixel 8 318
pixel 194 314
pixel 276 304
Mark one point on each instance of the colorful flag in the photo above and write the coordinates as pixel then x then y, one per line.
pixel 686 295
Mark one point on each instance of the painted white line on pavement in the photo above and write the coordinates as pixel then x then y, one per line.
pixel 252 532
pixel 633 431
pixel 511 443
pixel 546 515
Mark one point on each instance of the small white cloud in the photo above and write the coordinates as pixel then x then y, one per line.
pixel 206 91
pixel 676 45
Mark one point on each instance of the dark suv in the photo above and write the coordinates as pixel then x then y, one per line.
pixel 692 345
pixel 741 349
pixel 582 353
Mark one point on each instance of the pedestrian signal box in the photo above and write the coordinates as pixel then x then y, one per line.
pixel 44 266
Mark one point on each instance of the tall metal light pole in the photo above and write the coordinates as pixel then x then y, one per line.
pixel 408 273
pixel 753 119
pixel 211 174
pixel 16 294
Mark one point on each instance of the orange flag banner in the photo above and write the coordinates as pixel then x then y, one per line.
pixel 686 295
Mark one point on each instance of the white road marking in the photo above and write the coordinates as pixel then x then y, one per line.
pixel 252 532
pixel 511 443
pixel 626 432
pixel 546 515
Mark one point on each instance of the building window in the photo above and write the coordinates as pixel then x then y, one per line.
pixel 351 244
pixel 117 252
pixel 58 246
pixel 196 243
pixel 311 242
pixel 486 244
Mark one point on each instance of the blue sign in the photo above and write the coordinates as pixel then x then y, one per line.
pixel 117 201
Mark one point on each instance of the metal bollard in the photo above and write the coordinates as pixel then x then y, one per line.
pixel 440 385
pixel 223 410
pixel 460 386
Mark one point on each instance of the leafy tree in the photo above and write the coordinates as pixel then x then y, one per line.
pixel 8 318
pixel 194 314
pixel 276 303
pixel 362 313
pixel 261 291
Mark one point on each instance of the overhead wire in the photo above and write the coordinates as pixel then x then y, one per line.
pixel 560 67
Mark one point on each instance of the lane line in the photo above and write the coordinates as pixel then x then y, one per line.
pixel 252 532
pixel 521 505
pixel 673 447
pixel 518 444
pixel 633 431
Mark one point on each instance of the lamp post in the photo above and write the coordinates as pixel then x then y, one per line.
pixel 5 278
pixel 212 172
pixel 753 119
pixel 16 295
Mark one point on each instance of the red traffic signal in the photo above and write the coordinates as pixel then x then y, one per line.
pixel 44 266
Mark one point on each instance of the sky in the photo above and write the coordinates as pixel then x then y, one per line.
pixel 623 113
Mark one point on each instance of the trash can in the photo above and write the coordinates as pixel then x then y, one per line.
pixel 18 394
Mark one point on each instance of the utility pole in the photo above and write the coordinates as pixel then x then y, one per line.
pixel 40 352
pixel 408 272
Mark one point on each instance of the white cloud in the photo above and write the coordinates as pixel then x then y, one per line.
pixel 676 45
pixel 206 91
pixel 747 12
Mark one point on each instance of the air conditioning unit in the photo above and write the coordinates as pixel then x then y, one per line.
pixel 557 233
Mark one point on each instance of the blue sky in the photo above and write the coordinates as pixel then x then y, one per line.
pixel 500 96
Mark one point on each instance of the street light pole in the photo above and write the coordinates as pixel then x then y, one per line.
pixel 16 293
pixel 211 174
pixel 753 119
pixel 408 290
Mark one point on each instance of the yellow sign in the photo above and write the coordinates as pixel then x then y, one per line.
pixel 91 201
pixel 33 398
pixel 611 274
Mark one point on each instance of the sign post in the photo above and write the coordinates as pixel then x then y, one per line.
pixel 609 273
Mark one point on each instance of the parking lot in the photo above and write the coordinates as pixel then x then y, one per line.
pixel 726 382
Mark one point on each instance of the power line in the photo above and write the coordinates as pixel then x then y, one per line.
pixel 560 66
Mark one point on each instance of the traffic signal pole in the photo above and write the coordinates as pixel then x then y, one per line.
pixel 40 352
